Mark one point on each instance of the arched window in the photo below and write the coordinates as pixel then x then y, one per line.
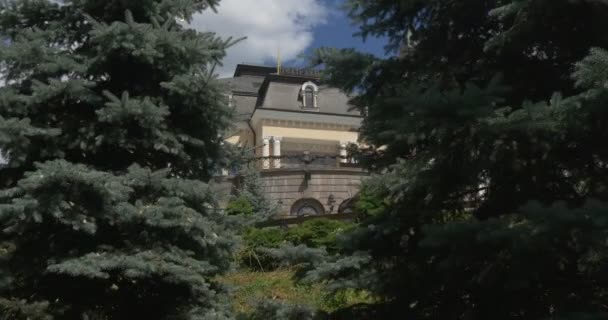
pixel 307 207
pixel 307 210
pixel 309 95
pixel 348 205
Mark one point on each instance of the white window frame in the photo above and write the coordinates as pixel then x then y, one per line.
pixel 315 91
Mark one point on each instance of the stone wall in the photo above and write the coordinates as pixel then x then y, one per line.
pixel 285 187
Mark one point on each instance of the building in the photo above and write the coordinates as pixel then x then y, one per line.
pixel 299 132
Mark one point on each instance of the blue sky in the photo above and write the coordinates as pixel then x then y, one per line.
pixel 296 26
pixel 338 32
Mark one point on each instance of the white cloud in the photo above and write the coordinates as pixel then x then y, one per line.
pixel 267 24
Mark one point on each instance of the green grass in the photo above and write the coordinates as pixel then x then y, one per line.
pixel 250 287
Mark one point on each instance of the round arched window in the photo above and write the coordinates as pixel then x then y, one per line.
pixel 309 97
pixel 347 206
pixel 308 94
pixel 307 207
pixel 307 211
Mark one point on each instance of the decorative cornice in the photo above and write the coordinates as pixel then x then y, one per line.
pixel 305 124
pixel 308 119
pixel 290 147
pixel 304 72
pixel 314 113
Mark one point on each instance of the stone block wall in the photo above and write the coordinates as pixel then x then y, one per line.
pixel 286 187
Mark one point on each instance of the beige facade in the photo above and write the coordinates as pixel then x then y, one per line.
pixel 299 132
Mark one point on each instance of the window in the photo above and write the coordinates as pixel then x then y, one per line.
pixel 347 206
pixel 308 94
pixel 307 207
pixel 307 211
pixel 309 97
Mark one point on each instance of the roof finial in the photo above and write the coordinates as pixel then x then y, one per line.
pixel 279 59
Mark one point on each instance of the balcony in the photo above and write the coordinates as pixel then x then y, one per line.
pixel 300 162
pixel 306 161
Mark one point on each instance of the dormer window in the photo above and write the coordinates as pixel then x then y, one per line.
pixel 309 93
pixel 309 97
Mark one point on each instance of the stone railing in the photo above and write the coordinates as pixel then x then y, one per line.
pixel 304 161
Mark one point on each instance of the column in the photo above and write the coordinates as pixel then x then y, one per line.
pixel 343 152
pixel 276 152
pixel 265 153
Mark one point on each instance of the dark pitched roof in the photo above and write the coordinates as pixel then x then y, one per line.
pixel 243 84
pixel 254 81
pixel 262 71
pixel 330 100
pixel 253 70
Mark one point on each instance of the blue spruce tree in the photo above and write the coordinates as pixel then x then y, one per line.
pixel 110 120
pixel 491 199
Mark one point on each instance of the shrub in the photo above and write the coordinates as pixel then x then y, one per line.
pixel 255 293
pixel 254 239
pixel 317 233
pixel 269 309
pixel 239 206
pixel 263 237
pixel 373 200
